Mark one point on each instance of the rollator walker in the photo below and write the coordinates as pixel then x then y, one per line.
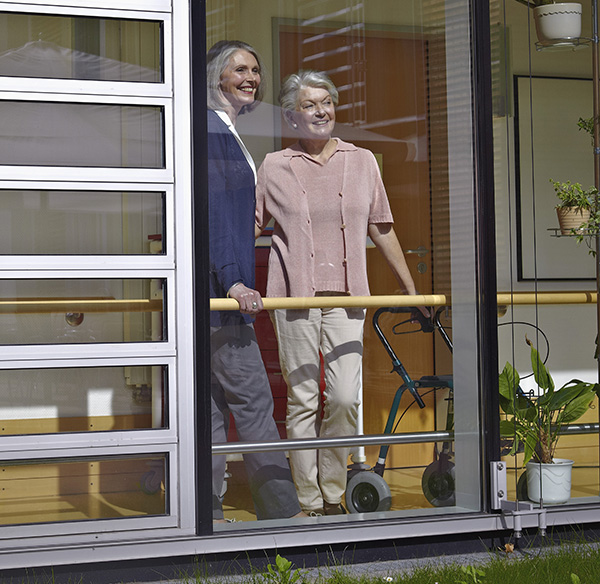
pixel 366 490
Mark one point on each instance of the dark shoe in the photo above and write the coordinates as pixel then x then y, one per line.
pixel 334 509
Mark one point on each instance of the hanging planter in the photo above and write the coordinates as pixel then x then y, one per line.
pixel 554 22
pixel 574 209
pixel 549 482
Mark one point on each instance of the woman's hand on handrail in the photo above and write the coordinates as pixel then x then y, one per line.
pixel 250 300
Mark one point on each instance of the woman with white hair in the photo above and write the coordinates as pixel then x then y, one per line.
pixel 239 383
pixel 325 197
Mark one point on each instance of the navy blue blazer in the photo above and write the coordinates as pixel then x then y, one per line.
pixel 231 196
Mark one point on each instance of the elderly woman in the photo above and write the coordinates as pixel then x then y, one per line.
pixel 325 197
pixel 239 383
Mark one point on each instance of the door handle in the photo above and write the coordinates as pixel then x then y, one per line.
pixel 420 251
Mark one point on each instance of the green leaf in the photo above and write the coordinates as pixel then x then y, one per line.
pixel 566 394
pixel 508 382
pixel 283 564
pixel 558 399
pixel 530 441
pixel 508 428
pixel 575 409
pixel 530 415
pixel 540 372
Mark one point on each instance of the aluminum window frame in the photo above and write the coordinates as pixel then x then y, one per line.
pixel 121 438
pixel 146 261
pixel 98 87
pixel 100 529
pixel 118 5
pixel 115 349
pixel 175 266
pixel 96 174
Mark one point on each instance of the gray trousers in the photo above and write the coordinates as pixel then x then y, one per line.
pixel 240 386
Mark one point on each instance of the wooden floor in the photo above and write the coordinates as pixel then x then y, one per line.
pixel 77 491
pixel 405 486
pixel 41 494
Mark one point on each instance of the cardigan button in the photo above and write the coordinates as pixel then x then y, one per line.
pixel 343 226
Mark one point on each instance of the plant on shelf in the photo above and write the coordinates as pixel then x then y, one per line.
pixel 573 195
pixel 536 421
pixel 577 211
pixel 556 23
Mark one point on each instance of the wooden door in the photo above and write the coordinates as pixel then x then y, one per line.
pixel 383 106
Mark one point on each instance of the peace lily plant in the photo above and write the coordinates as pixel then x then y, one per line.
pixel 536 421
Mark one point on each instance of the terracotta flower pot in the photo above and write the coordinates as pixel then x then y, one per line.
pixel 557 21
pixel 571 218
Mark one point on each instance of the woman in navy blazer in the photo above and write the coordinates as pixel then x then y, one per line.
pixel 239 382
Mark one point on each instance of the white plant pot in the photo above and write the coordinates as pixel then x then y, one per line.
pixel 557 21
pixel 554 486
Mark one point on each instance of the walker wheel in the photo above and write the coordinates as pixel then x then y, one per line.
pixel 367 492
pixel 438 483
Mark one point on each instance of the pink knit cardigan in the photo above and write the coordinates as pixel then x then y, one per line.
pixel 280 195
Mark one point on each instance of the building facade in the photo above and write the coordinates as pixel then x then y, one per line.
pixel 105 446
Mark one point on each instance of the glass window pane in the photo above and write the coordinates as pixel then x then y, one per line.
pixel 94 399
pixel 79 47
pixel 78 134
pixel 543 122
pixel 80 490
pixel 81 311
pixel 81 222
pixel 403 76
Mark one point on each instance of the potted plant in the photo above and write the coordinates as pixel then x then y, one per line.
pixel 535 423
pixel 575 207
pixel 555 20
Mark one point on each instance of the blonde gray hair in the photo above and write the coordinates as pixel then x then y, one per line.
pixel 217 60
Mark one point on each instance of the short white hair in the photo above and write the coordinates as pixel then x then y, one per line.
pixel 292 84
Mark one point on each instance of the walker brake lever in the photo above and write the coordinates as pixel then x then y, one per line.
pixel 415 394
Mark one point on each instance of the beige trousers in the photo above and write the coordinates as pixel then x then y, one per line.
pixel 304 336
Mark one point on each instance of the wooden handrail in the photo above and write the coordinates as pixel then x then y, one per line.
pixel 504 298
pixel 107 304
pixel 66 305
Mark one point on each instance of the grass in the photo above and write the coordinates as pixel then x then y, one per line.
pixel 560 564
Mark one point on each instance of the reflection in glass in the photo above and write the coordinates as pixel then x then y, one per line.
pixel 405 95
pixel 564 334
pixel 41 311
pixel 78 490
pixel 78 47
pixel 81 222
pixel 80 134
pixel 83 399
